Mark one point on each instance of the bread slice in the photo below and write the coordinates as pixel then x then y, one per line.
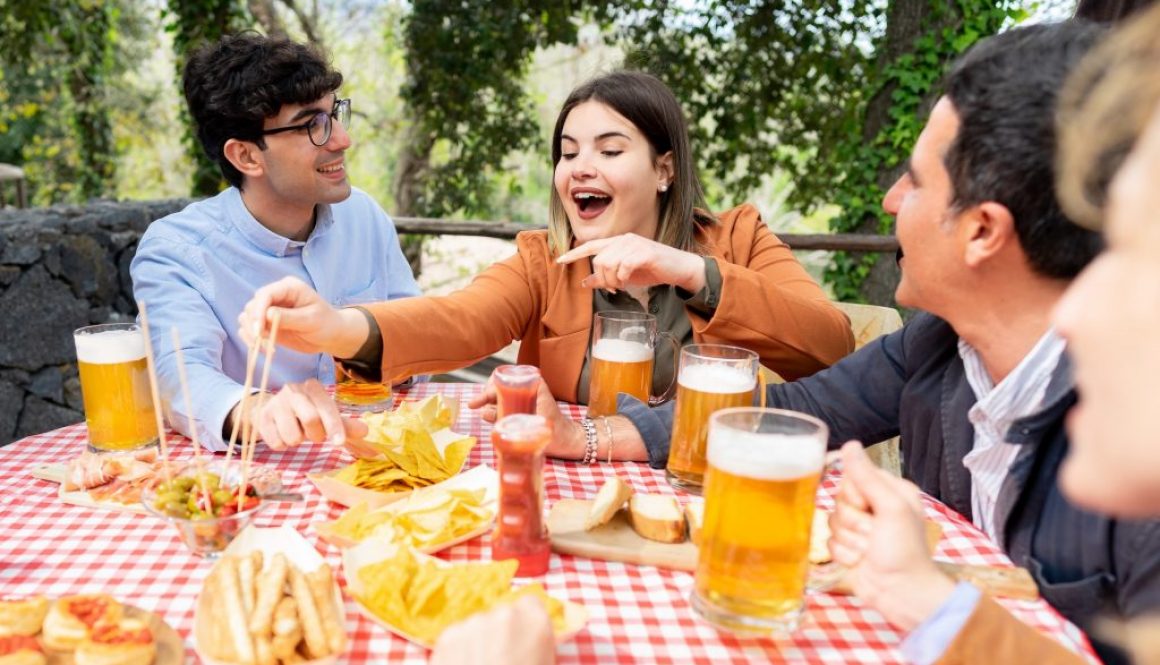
pixel 694 516
pixel 656 517
pixel 612 495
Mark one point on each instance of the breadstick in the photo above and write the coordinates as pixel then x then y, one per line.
pixel 246 578
pixel 287 629
pixel 234 613
pixel 270 583
pixel 264 651
pixel 322 586
pixel 316 643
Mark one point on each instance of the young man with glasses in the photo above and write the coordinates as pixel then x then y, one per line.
pixel 267 111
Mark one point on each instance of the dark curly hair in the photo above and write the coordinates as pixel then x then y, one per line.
pixel 233 85
pixel 1005 91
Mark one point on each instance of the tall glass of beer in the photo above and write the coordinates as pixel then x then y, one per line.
pixel 711 377
pixel 115 387
pixel 622 359
pixel 764 469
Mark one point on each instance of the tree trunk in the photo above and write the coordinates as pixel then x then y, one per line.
pixel 263 12
pixel 413 167
pixel 907 20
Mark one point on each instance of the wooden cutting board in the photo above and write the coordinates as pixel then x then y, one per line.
pixel 55 473
pixel 614 541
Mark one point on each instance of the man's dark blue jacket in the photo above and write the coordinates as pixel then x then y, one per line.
pixel 912 384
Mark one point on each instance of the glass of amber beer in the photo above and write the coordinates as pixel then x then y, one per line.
pixel 764 469
pixel 354 394
pixel 622 359
pixel 711 377
pixel 115 387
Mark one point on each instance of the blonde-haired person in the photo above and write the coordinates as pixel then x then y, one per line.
pixel 628 231
pixel 1110 317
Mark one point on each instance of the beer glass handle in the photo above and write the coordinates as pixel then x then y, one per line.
pixel 668 393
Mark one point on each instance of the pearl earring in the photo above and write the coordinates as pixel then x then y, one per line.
pixel 664 188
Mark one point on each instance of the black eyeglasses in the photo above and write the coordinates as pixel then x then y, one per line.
pixel 321 125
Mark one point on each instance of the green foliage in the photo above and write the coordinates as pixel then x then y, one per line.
pixel 59 58
pixel 857 164
pixel 193 23
pixel 466 62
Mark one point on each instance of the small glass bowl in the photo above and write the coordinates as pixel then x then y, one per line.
pixel 206 537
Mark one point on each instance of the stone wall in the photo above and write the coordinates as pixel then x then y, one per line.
pixel 60 268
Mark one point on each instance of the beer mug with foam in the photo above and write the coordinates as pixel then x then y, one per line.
pixel 763 474
pixel 115 387
pixel 622 359
pixel 711 377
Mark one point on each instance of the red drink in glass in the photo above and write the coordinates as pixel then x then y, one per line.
pixel 515 388
pixel 520 533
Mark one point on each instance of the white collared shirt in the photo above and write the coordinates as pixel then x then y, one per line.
pixel 1018 395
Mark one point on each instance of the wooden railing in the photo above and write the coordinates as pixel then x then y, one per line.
pixel 851 242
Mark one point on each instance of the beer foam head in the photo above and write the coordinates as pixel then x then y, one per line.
pixel 716 379
pixel 765 456
pixel 621 351
pixel 111 346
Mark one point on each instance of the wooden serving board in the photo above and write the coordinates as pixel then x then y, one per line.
pixel 170 649
pixel 55 473
pixel 614 541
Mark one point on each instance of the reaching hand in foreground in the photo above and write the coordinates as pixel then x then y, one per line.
pixel 566 433
pixel 298 413
pixel 518 632
pixel 878 534
pixel 308 323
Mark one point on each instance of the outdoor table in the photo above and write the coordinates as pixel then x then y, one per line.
pixel 636 613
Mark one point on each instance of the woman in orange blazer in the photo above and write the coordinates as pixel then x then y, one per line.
pixel 627 215
pixel 1109 316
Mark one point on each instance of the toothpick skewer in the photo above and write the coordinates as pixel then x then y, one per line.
pixel 189 414
pixel 153 390
pixel 248 451
pixel 243 408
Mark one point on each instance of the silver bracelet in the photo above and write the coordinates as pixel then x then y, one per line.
pixel 590 440
pixel 608 430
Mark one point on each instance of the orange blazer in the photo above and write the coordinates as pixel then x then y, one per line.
pixel 768 304
pixel 993 635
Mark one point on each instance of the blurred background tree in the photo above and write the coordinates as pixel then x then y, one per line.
pixel 807 107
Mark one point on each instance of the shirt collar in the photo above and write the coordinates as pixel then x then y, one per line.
pixel 266 240
pixel 1022 391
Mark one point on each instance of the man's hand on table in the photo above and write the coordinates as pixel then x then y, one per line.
pixel 308 323
pixel 878 534
pixel 567 434
pixel 518 632
pixel 298 413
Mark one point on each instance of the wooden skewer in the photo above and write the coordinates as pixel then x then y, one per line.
pixel 248 451
pixel 154 392
pixel 243 408
pixel 176 336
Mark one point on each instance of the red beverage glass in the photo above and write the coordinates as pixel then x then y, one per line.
pixel 515 388
pixel 520 532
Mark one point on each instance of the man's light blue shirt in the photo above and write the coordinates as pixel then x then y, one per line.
pixel 196 269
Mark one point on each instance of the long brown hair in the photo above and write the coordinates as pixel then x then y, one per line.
pixel 651 107
pixel 1103 110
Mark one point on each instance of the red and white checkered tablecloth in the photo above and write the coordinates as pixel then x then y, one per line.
pixel 636 613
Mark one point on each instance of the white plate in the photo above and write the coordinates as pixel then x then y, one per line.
pixel 299 552
pixel 370 552
pixel 481 477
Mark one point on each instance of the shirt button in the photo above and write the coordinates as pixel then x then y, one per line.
pixel 654 308
pixel 305 251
